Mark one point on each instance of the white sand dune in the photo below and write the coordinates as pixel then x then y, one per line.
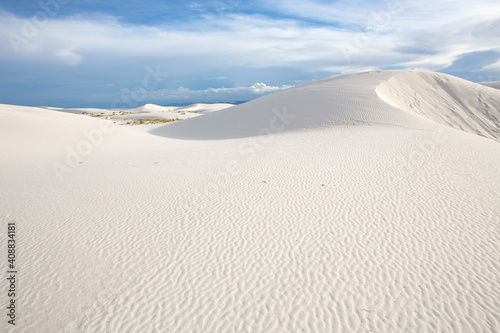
pixel 146 108
pixel 495 84
pixel 203 107
pixel 194 108
pixel 147 111
pixel 363 98
pixel 149 108
pixel 90 111
pixel 360 203
pixel 446 100
pixel 150 111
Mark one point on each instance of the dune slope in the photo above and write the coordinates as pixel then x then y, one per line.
pixel 446 100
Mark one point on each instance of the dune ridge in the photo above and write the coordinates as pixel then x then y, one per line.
pixel 445 99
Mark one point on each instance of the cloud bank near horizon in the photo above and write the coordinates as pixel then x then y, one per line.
pixel 77 53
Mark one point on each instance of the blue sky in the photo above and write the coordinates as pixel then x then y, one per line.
pixel 75 53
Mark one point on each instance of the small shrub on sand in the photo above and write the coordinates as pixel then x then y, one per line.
pixel 150 121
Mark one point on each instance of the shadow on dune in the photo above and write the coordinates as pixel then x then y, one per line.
pixel 264 116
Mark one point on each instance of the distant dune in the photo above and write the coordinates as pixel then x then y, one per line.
pixel 495 85
pixel 360 203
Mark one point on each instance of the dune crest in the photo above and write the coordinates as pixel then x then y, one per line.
pixel 445 99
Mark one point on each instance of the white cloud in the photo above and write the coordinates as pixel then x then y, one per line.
pixel 256 41
pixel 424 35
pixel 258 88
pixel 494 66
pixel 255 89
pixel 68 57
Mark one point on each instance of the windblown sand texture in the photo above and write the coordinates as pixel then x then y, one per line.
pixel 361 203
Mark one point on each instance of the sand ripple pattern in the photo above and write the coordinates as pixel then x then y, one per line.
pixel 337 243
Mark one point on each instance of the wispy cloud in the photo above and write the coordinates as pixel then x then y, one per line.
pixel 495 66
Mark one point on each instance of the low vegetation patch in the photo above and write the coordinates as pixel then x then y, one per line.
pixel 149 121
pixel 139 121
pixel 102 114
pixel 94 114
